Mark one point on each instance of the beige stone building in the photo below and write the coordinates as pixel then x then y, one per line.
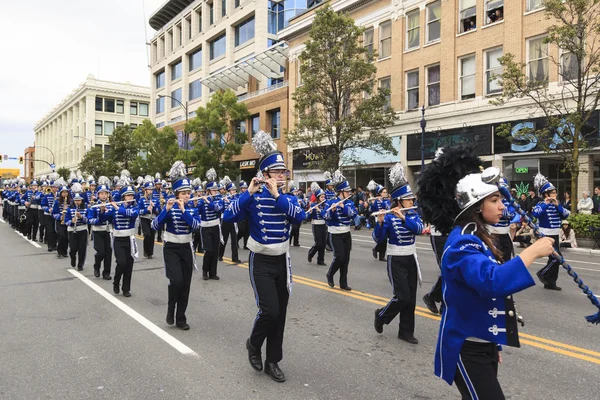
pixel 86 118
pixel 441 54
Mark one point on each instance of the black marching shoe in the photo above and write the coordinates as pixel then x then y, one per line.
pixel 329 280
pixel 205 275
pixel 375 253
pixel 382 259
pixel 116 288
pixel 273 370
pixel 348 288
pixel 310 258
pixel 377 322
pixel 126 294
pixel 215 277
pixel 541 278
pixel 254 356
pixel 59 256
pixel 321 263
pixel 50 250
pixel 183 327
pixel 79 268
pixel 408 338
pixel 552 287
pixel 107 277
pixel 237 261
pixel 220 258
pixel 431 306
pixel 97 272
pixel 170 318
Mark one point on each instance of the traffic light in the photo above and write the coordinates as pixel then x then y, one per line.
pixel 20 159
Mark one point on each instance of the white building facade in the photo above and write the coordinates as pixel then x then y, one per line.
pixel 85 119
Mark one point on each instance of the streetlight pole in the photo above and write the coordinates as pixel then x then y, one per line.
pixel 185 109
pixel 423 125
pixel 50 165
pixel 88 139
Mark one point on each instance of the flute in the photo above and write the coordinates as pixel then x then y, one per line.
pixel 108 203
pixel 392 210
pixel 339 203
pixel 316 205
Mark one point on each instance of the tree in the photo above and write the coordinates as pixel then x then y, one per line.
pixel 159 149
pixel 568 109
pixel 217 140
pixel 123 148
pixel 64 173
pixel 93 163
pixel 337 111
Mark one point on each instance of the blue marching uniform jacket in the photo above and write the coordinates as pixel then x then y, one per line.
pixel 503 226
pixel 47 203
pixel 268 219
pixel 338 221
pixel 477 295
pixel 71 223
pixel 210 211
pixel 180 224
pixel 124 220
pixel 550 217
pixel 379 205
pixel 401 234
pixel 329 194
pixel 101 221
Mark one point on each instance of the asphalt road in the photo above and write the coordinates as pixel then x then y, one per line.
pixel 64 335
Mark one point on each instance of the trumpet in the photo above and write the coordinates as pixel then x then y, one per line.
pixel 392 210
pixel 48 190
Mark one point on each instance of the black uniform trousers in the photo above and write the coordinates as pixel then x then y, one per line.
pixel 42 225
pixel 148 233
pixel 243 232
pixel 122 249
pixel 78 247
pixel 50 231
pixel 211 240
pixel 550 272
pixel 295 234
pixel 197 243
pixel 159 234
pixel 179 264
pixel 63 239
pixel 477 372
pixel 228 229
pixel 504 243
pixel 341 244
pixel 402 272
pixel 437 244
pixel 102 245
pixel 32 222
pixel 320 237
pixel 268 276
pixel 380 249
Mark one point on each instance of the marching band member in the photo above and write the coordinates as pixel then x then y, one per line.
pixel 295 230
pixel 198 191
pixel 100 216
pixel 400 229
pixel 31 203
pixel 229 228
pixel 319 229
pixel 45 187
pixel 329 193
pixel 115 195
pixel 161 196
pixel 76 222
pixel 243 229
pixel 59 211
pixel 478 312
pixel 89 196
pixel 181 220
pixel 269 212
pixel 124 242
pixel 209 209
pixel 149 209
pixel 378 204
pixel 550 213
pixel 338 214
pixel 21 207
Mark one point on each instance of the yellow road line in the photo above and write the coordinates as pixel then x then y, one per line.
pixel 531 340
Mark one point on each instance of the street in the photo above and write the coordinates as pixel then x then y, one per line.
pixel 66 336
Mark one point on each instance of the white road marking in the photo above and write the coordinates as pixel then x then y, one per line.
pixel 175 343
pixel 2 220
pixel 27 240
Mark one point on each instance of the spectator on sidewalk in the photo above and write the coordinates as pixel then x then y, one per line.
pixel 585 205
pixel 567 200
pixel 596 200
pixel 523 202
pixel 524 234
pixel 532 200
pixel 567 236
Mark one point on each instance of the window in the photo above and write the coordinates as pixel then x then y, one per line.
pixel 176 70
pixel 386 83
pixel 106 150
pixel 217 46
pixel 492 67
pixel 160 79
pixel 133 126
pixel 120 124
pixel 569 67
pixel 171 40
pixel 255 122
pixel 160 106
pixel 144 109
pixel 195 90
pixel 240 128
pixel 211 13
pixel 195 59
pixel 468 16
pixel 244 31
pixel 98 127
pixel 199 18
pixel 368 41
pixel 188 27
pixel 109 128
pixel 433 85
pixel 133 108
pixel 275 119
pixel 276 17
pixel 160 124
pixel 99 104
pixel 537 59
pixel 412 29
pixel 179 31
pixel 385 39
pixel 236 3
pixel 412 90
pixel 467 77
pixel 176 95
pixel 109 105
pixel 434 16
pixel 534 4
pixel 223 8
pixel 494 11
pixel 120 106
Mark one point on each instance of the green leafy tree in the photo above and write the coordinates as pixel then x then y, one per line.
pixel 64 173
pixel 569 108
pixel 94 163
pixel 124 149
pixel 158 149
pixel 336 106
pixel 216 140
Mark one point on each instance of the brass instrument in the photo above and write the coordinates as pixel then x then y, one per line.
pixel 64 211
pixel 162 199
pixel 48 190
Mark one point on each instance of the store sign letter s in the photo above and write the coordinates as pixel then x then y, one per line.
pixel 523 142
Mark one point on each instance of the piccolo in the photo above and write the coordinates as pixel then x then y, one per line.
pixel 392 210
pixel 339 203
pixel 316 205
pixel 110 203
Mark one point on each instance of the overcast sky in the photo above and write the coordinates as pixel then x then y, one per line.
pixel 50 46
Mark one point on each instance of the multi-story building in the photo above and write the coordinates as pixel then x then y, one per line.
pixel 442 54
pixel 28 163
pixel 85 119
pixel 203 46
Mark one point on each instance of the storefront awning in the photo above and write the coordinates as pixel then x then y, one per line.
pixel 268 64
